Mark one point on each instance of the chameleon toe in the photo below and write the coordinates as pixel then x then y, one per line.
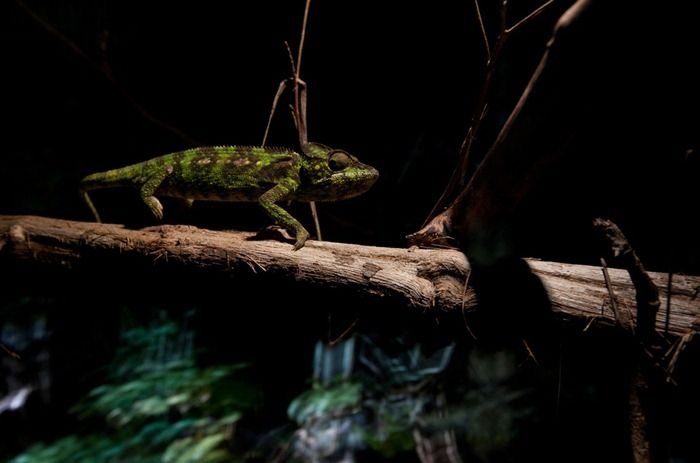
pixel 302 236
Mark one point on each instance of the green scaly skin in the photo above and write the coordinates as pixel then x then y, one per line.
pixel 242 173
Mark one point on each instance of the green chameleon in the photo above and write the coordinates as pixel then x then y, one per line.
pixel 239 173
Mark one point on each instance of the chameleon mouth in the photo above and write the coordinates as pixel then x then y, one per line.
pixel 353 182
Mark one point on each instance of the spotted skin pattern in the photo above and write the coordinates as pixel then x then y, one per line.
pixel 244 174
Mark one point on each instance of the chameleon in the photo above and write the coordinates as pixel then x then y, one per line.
pixel 267 175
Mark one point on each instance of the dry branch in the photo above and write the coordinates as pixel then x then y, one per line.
pixel 423 279
pixel 642 380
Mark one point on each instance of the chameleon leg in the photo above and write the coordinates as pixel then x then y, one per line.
pixel 147 191
pixel 280 192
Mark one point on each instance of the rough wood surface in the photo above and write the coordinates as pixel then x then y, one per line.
pixel 423 279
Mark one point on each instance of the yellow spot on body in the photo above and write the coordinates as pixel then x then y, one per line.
pixel 317 167
pixel 204 162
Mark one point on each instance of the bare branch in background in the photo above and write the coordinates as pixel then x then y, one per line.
pixel 483 31
pixel 459 178
pixel 105 71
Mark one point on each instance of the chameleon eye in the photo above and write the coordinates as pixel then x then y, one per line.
pixel 339 160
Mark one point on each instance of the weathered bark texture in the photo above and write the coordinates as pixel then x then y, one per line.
pixel 423 279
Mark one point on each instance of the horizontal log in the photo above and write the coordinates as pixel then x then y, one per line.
pixel 423 279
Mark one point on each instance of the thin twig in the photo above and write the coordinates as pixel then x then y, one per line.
pixel 303 135
pixel 504 19
pixel 588 325
pixel 483 31
pixel 680 346
pixel 280 89
pixel 611 293
pixel 342 336
pixel 290 55
pixel 106 73
pixel 530 353
pixel 10 352
pixel 464 296
pixel 529 17
pixel 249 260
pixel 317 224
pixel 669 290
pixel 300 107
pixel 459 177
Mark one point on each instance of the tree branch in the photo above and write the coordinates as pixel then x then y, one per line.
pixel 459 177
pixel 422 279
pixel 535 13
pixel 483 31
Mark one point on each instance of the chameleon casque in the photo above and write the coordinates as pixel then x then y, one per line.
pixel 244 174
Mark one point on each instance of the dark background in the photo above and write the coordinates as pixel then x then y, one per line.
pixel 383 86
pixel 392 82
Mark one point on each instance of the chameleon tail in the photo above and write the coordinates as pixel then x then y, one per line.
pixel 90 205
pixel 108 179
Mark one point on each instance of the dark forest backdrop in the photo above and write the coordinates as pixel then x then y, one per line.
pixel 393 83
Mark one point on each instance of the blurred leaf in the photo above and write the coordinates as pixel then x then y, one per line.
pixel 324 400
pixel 160 407
pixel 199 450
pixel 176 449
pixel 230 419
pixel 392 442
pixel 170 431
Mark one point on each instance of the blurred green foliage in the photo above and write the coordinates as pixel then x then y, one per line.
pixel 494 410
pixel 324 400
pixel 158 405
pixel 394 403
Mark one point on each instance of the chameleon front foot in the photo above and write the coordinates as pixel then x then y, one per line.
pixel 155 206
pixel 278 233
pixel 302 236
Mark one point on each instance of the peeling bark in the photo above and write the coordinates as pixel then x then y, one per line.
pixel 419 279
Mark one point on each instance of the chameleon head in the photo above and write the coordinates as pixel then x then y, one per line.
pixel 332 174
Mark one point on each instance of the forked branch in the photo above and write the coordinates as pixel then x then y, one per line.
pixel 299 105
pixel 459 177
